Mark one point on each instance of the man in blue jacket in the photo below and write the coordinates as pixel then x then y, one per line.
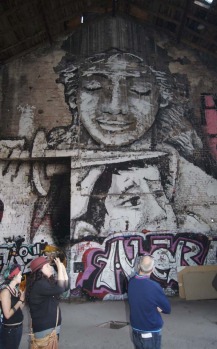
pixel 147 300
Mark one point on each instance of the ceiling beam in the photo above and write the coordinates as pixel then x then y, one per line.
pixel 188 4
pixel 41 10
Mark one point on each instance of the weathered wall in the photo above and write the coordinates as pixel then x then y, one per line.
pixel 108 150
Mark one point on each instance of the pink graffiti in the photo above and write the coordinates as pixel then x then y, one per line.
pixel 211 124
pixel 211 121
pixel 107 269
pixel 209 102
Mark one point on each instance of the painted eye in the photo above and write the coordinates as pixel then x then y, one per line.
pixel 92 85
pixel 132 202
pixel 142 90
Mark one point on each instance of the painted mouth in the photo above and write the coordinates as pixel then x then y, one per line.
pixel 115 124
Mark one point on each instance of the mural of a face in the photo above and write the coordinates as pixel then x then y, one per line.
pixel 126 197
pixel 118 99
pixel 138 201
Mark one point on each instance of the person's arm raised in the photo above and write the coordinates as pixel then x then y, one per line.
pixel 60 274
pixel 66 278
pixel 62 277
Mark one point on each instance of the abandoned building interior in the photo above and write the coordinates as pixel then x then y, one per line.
pixel 108 141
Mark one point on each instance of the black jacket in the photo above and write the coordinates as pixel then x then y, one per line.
pixel 43 303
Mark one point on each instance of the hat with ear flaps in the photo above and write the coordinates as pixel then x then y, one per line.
pixel 38 263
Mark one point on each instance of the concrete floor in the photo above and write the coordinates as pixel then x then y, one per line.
pixel 191 325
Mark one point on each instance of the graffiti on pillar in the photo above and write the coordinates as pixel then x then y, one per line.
pixel 103 270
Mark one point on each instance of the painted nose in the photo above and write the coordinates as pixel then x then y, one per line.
pixel 157 213
pixel 116 103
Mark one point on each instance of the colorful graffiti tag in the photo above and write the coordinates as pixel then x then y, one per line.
pixel 15 251
pixel 103 270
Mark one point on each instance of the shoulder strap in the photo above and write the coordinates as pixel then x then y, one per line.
pixel 57 316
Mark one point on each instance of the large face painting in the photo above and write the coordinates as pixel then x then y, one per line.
pixel 132 161
pixel 125 109
pixel 118 99
pixel 114 97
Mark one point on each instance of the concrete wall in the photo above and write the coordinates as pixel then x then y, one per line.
pixel 108 151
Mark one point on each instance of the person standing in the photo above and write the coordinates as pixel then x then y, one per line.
pixel 12 302
pixel 42 295
pixel 146 300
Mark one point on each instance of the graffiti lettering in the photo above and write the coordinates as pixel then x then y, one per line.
pixel 108 267
pixel 117 260
pixel 21 254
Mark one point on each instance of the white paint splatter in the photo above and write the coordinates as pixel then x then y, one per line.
pixel 26 128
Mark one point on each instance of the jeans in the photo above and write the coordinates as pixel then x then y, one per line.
pixel 11 336
pixel 153 340
pixel 44 333
pixel 1 343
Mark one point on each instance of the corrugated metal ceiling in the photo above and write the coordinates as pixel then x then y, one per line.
pixel 28 23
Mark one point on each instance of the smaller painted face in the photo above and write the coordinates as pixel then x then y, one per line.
pixel 133 201
pixel 47 270
pixel 118 100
